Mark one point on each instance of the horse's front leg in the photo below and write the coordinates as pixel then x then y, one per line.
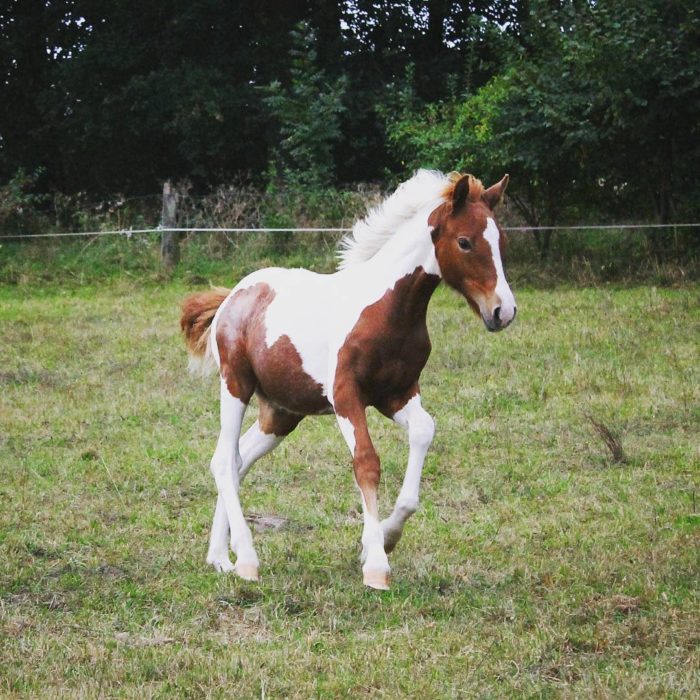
pixel 350 412
pixel 421 429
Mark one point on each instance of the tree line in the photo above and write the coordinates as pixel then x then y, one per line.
pixel 592 106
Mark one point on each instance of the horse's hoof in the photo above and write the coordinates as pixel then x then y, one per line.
pixel 390 543
pixel 376 579
pixel 221 564
pixel 248 572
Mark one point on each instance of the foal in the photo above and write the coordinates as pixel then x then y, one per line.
pixel 307 344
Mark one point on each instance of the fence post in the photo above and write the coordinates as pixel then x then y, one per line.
pixel 169 240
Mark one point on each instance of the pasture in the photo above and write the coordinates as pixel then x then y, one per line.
pixel 538 565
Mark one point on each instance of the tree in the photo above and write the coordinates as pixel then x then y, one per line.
pixel 598 115
pixel 36 38
pixel 106 103
pixel 307 112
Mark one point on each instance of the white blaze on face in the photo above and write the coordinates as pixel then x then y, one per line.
pixel 492 235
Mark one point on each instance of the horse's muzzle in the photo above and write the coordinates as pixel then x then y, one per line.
pixel 500 318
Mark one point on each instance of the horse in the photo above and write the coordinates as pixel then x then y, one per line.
pixel 308 344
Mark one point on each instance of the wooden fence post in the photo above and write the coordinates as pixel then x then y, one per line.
pixel 169 240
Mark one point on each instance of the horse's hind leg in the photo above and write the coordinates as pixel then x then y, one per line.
pixel 272 426
pixel 260 439
pixel 253 445
pixel 225 466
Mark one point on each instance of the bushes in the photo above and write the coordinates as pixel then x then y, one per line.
pixel 20 208
pixel 579 257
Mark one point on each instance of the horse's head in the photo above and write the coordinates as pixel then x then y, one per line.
pixel 468 246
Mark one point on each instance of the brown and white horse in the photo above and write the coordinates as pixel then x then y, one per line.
pixel 309 343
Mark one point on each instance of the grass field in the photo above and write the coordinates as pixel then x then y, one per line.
pixel 537 565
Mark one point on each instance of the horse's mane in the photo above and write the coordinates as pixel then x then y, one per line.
pixel 371 233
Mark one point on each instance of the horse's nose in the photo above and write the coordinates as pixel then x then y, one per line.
pixel 503 316
pixel 497 317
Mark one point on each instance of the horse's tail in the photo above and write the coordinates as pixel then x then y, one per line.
pixel 197 314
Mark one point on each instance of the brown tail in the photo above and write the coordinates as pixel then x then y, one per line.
pixel 197 313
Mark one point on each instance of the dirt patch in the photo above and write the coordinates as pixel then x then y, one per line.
pixel 134 640
pixel 267 522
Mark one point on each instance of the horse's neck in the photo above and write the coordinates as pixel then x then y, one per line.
pixel 408 300
pixel 407 263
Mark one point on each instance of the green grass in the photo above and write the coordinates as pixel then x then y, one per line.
pixel 535 567
pixel 580 258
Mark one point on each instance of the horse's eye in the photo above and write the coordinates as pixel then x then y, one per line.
pixel 464 243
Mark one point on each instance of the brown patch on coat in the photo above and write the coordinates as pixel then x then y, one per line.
pixel 386 350
pixel 198 311
pixel 275 373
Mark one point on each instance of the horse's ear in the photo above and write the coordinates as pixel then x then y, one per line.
pixel 492 196
pixel 460 192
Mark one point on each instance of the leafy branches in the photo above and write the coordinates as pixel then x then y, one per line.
pixel 307 112
pixel 597 115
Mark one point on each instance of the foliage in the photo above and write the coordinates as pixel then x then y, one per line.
pixel 590 119
pixel 308 114
pixel 19 206
pixel 592 107
pixel 118 105
pixel 458 131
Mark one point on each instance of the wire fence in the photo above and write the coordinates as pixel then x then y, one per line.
pixel 239 209
pixel 128 232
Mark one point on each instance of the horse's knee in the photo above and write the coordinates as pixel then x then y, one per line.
pixel 222 468
pixel 422 430
pixel 406 507
pixel 367 468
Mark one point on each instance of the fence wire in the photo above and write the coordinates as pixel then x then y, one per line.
pixel 129 232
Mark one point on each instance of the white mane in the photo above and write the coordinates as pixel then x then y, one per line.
pixel 371 233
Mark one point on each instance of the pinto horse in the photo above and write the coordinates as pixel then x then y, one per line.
pixel 308 343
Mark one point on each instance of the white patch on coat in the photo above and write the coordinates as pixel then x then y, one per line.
pixel 348 431
pixel 318 311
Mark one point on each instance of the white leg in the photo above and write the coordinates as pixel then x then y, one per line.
pixel 217 555
pixel 225 465
pixel 375 563
pixel 421 429
pixel 253 445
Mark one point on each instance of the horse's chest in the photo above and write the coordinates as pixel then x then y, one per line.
pixel 385 364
